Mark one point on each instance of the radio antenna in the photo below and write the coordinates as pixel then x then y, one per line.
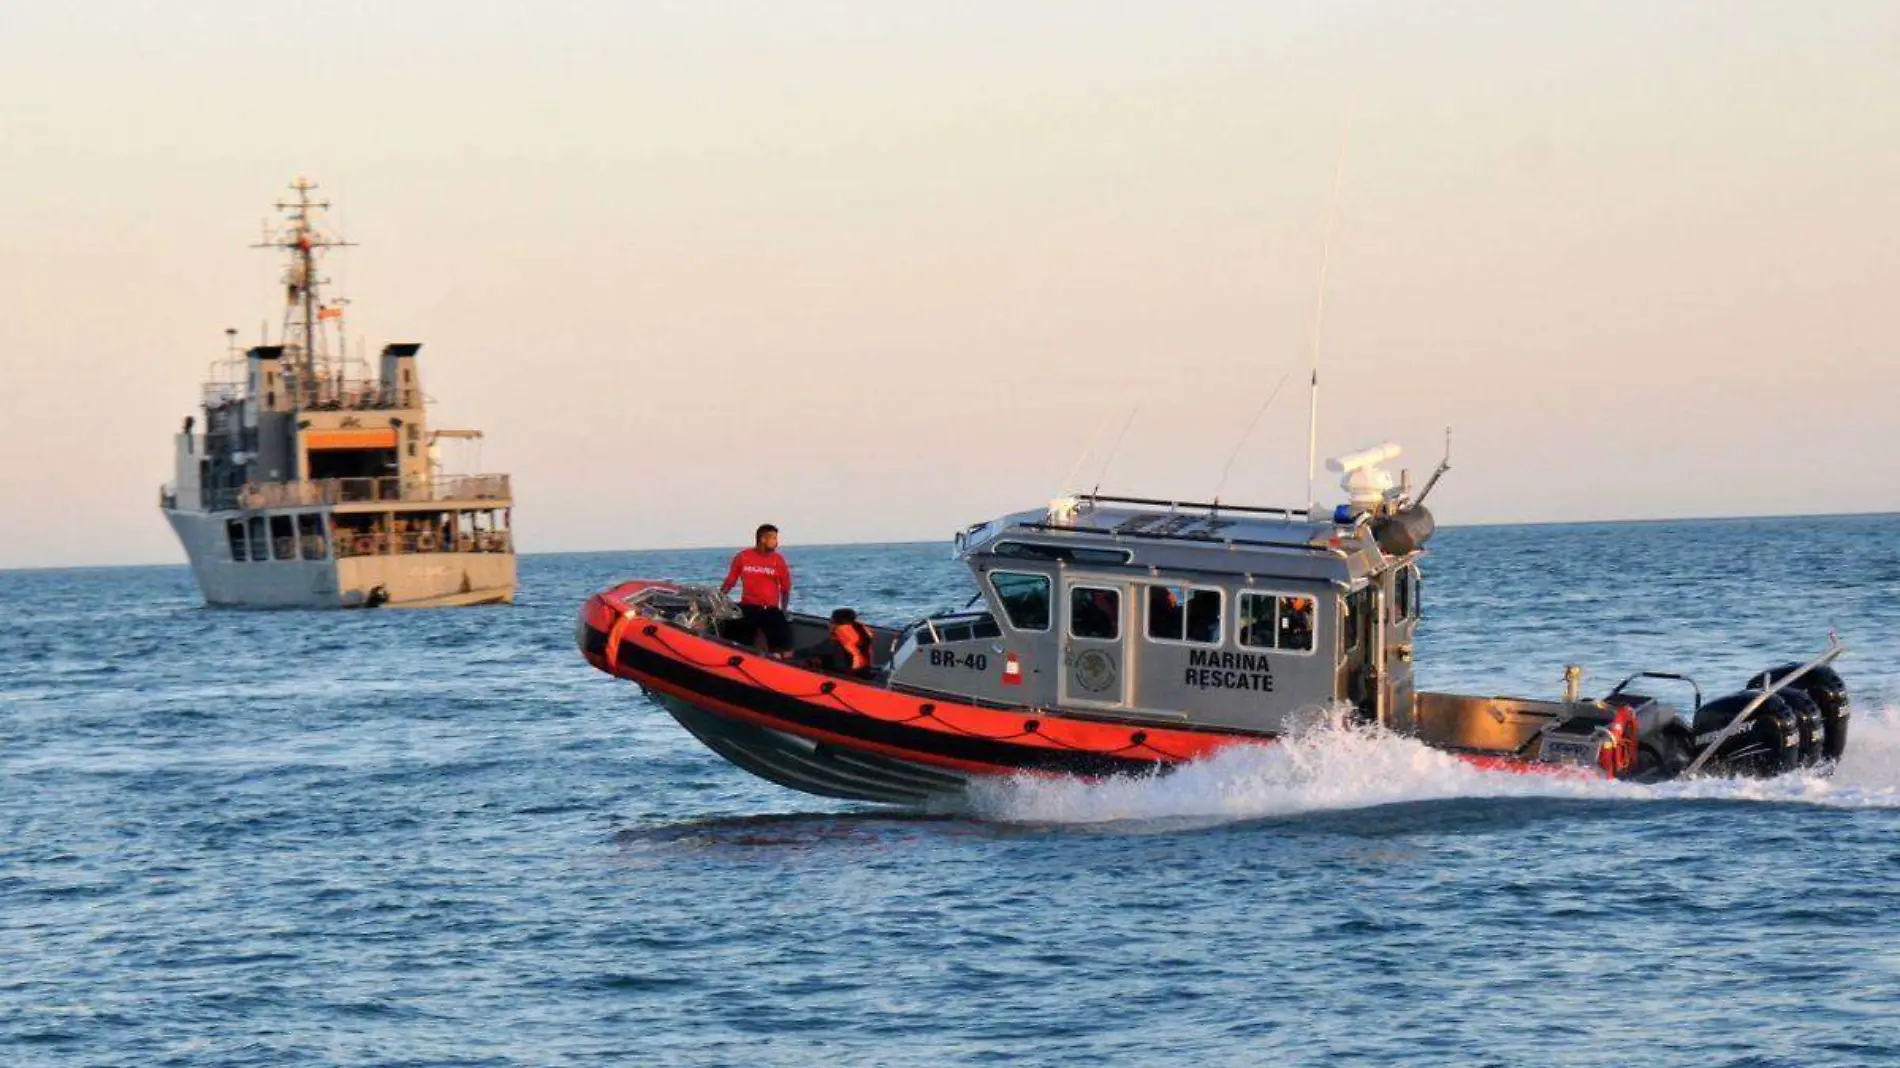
pixel 1115 448
pixel 1068 480
pixel 1247 433
pixel 1319 304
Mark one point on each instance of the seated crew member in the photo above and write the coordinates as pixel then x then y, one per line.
pixel 846 650
pixel 765 590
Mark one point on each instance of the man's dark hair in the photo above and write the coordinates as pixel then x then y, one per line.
pixel 764 529
pixel 843 616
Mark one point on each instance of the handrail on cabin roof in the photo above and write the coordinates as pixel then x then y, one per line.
pixel 1207 506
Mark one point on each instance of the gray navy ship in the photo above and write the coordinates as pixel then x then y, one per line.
pixel 315 480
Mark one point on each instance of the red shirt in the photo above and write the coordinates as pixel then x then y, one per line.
pixel 765 578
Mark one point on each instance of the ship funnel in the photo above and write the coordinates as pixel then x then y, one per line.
pixel 1367 485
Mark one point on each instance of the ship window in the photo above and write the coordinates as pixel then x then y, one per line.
pixel 1024 597
pixel 985 628
pixel 283 540
pixel 260 541
pixel 1259 616
pixel 1296 624
pixel 1023 550
pixel 1357 614
pixel 1404 597
pixel 234 530
pixel 1184 614
pixel 310 534
pixel 1095 612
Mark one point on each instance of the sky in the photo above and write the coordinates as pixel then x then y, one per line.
pixel 876 271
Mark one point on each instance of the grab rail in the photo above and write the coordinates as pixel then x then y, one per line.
pixel 1669 675
pixel 1834 650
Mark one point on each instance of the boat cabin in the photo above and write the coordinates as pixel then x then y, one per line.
pixel 1243 619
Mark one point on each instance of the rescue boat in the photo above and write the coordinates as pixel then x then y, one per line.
pixel 1129 636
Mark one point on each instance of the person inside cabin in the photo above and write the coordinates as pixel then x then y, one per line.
pixel 1203 617
pixel 1296 623
pixel 846 649
pixel 765 591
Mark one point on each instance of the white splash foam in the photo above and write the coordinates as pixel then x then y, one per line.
pixel 1337 768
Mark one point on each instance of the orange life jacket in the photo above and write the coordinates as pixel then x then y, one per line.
pixel 854 639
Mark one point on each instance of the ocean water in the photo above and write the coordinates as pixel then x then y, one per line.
pixel 378 838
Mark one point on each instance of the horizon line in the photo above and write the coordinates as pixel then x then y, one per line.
pixel 933 541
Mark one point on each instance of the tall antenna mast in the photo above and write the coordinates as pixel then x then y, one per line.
pixel 300 236
pixel 1319 305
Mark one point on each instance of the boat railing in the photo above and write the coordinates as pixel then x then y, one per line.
pixel 219 394
pixel 323 393
pixel 413 543
pixel 330 491
pixel 1291 515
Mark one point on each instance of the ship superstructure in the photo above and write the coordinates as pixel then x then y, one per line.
pixel 315 480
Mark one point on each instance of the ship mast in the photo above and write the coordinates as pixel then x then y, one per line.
pixel 303 308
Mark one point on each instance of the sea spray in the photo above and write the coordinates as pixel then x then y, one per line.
pixel 1334 767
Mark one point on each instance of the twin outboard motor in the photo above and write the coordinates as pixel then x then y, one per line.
pixel 1823 688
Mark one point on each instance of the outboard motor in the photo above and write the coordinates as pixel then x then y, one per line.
pixel 1823 687
pixel 1807 716
pixel 1768 744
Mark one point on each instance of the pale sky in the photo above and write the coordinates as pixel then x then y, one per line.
pixel 874 271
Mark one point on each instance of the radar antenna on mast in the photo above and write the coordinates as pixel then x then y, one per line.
pixel 302 237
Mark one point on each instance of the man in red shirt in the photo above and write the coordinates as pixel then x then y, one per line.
pixel 765 591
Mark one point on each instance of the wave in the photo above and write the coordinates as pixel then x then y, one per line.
pixel 1336 767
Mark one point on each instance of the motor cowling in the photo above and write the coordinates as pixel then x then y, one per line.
pixel 1768 744
pixel 1808 723
pixel 1824 687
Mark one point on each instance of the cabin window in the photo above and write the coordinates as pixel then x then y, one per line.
pixel 1296 624
pixel 1259 619
pixel 283 538
pixel 260 539
pixel 1276 621
pixel 1184 614
pixel 234 531
pixel 1024 598
pixel 1095 612
pixel 310 535
pixel 1357 612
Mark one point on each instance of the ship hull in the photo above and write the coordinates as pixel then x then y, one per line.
pixel 861 740
pixel 414 580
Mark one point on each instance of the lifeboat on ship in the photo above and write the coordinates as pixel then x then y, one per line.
pixel 1114 636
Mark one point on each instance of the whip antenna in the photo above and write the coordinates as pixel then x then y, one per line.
pixel 1247 433
pixel 1319 303
pixel 1110 458
pixel 1068 480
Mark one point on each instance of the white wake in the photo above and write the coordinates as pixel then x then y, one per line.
pixel 1336 768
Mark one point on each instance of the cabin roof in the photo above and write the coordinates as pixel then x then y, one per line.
pixel 1106 533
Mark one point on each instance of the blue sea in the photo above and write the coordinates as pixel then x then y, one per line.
pixel 440 838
